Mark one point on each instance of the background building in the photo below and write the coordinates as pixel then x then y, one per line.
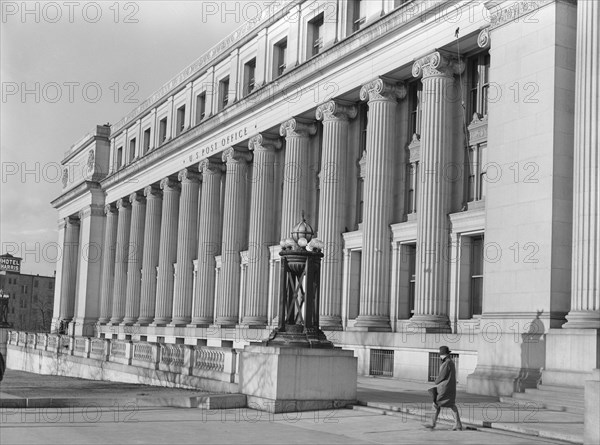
pixel 30 297
pixel 445 152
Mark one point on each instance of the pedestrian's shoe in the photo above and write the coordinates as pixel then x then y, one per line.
pixel 429 425
pixel 457 428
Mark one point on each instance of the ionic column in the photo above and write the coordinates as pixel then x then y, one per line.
pixel 136 252
pixel 151 248
pixel 375 274
pixel 585 270
pixel 108 262
pixel 431 295
pixel 121 260
pixel 167 251
pixel 187 246
pixel 69 269
pixel 261 233
pixel 335 117
pixel 234 236
pixel 296 173
pixel 209 242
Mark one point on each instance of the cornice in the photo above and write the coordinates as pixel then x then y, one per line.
pixel 75 192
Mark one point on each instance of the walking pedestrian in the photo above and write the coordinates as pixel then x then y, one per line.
pixel 444 392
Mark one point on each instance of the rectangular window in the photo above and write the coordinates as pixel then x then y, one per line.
pixel 162 130
pixel 146 140
pixel 200 107
pixel 478 67
pixel 412 181
pixel 415 92
pixel 279 58
pixel 398 3
pixel 35 283
pixel 119 157
pixel 435 362
pixel 476 164
pixel 476 294
pixel 223 93
pixel 315 37
pixel 180 119
pixel 51 285
pixel 356 14
pixel 411 251
pixel 249 77
pixel 381 362
pixel 131 150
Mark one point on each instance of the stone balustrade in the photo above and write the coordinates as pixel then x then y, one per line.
pixel 200 361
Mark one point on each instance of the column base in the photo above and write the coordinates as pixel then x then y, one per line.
pixel 331 322
pixel 85 327
pixel 201 322
pixel 179 322
pixel 143 321
pixel 226 322
pixel 115 321
pixel 128 321
pixel 431 323
pixel 161 322
pixel 254 322
pixel 582 320
pixel 372 323
pixel 501 380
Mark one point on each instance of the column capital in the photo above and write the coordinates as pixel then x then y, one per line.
pixel 91 210
pixel 483 39
pixel 70 221
pixel 187 175
pixel 152 191
pixel 123 203
pixel 110 208
pixel 137 197
pixel 263 141
pixel 383 89
pixel 438 63
pixel 208 167
pixel 334 110
pixel 295 128
pixel 169 184
pixel 232 155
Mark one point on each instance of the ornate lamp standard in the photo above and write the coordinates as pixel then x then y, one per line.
pixel 4 298
pixel 298 324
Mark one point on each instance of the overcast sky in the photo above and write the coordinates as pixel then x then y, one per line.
pixel 80 61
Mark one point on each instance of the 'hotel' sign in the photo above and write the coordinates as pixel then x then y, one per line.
pixel 10 263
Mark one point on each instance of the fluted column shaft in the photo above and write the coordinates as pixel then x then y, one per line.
pixel 209 242
pixel 296 173
pixel 585 271
pixel 335 119
pixel 375 269
pixel 136 252
pixel 261 233
pixel 121 260
pixel 167 252
pixel 69 269
pixel 187 246
pixel 234 234
pixel 151 248
pixel 431 294
pixel 108 263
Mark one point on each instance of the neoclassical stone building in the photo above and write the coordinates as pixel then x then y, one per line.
pixel 446 153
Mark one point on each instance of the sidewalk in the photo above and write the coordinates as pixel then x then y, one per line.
pixel 389 411
pixel 391 396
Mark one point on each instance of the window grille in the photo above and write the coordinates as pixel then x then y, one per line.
pixel 382 362
pixel 434 365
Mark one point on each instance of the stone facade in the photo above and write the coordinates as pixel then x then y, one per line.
pixel 446 154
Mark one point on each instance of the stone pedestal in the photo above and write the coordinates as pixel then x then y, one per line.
pixel 297 379
pixel 4 341
pixel 591 426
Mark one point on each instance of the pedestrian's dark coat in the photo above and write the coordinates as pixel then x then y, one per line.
pixel 2 366
pixel 446 384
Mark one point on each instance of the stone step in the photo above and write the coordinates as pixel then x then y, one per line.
pixel 553 396
pixel 562 389
pixel 526 401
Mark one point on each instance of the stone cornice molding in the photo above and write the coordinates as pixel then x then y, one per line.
pixel 137 198
pixel 263 141
pixel 75 192
pixel 383 89
pixel 483 39
pixel 110 208
pixel 187 176
pixel 152 191
pixel 334 110
pixel 296 128
pixel 232 155
pixel 438 63
pixel 123 203
pixel 478 129
pixel 169 184
pixel 208 167
pixel 91 210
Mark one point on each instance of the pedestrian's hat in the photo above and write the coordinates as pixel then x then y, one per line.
pixel 444 350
